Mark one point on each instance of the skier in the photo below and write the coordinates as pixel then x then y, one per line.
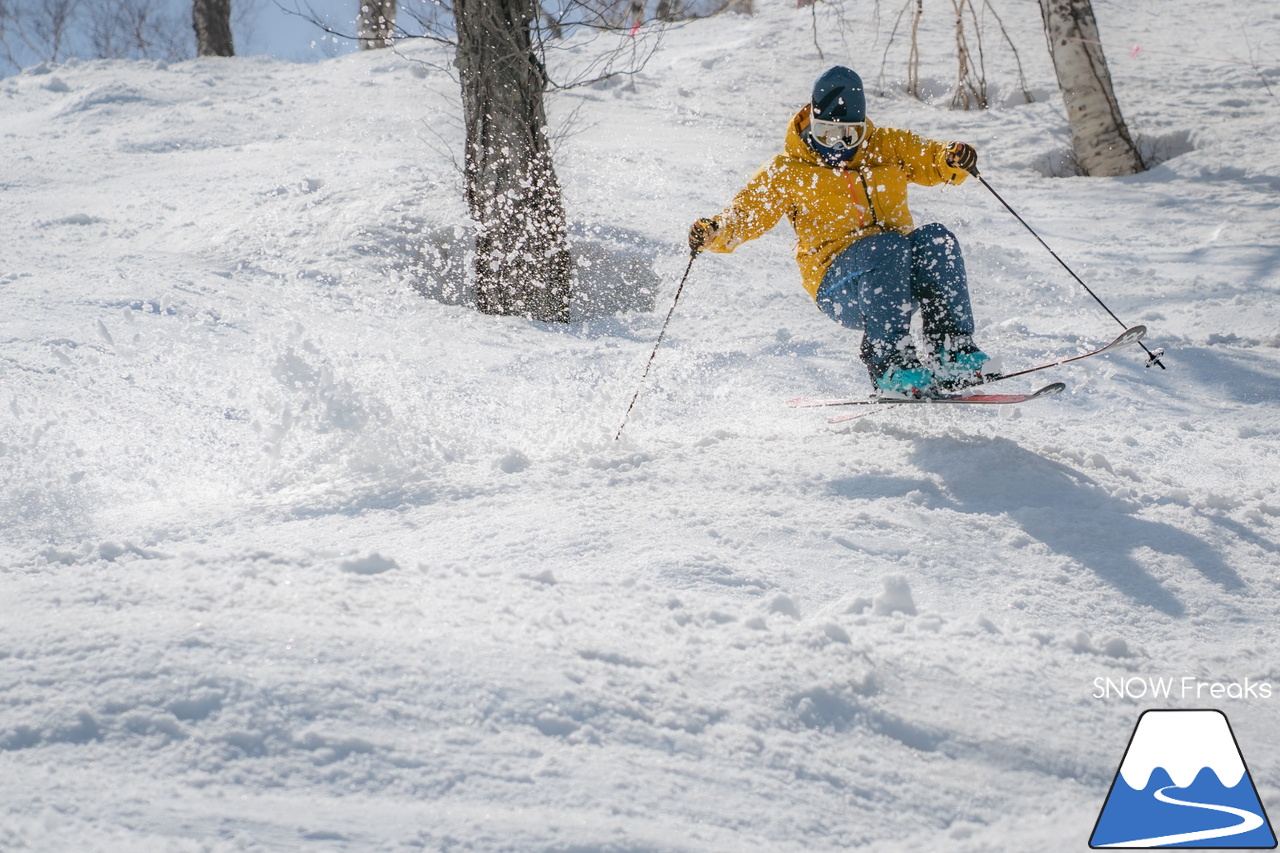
pixel 842 181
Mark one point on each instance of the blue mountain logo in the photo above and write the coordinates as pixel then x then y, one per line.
pixel 1183 783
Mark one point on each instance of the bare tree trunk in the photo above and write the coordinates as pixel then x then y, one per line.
pixel 376 24
pixel 971 84
pixel 212 21
pixel 50 20
pixel 522 254
pixel 913 58
pixel 1099 136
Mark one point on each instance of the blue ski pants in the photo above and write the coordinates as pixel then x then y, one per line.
pixel 879 282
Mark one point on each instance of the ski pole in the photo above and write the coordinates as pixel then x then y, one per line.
pixel 1154 357
pixel 693 254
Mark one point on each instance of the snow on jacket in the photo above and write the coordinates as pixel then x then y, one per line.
pixel 831 208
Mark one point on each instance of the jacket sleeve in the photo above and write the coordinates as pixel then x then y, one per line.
pixel 754 210
pixel 925 160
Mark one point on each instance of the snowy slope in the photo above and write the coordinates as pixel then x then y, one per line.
pixel 296 559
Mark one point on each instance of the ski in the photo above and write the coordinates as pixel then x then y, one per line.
pixel 1126 338
pixel 952 399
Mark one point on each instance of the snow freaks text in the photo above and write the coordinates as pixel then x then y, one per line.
pixel 1186 687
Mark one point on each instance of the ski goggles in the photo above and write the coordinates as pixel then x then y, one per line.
pixel 838 134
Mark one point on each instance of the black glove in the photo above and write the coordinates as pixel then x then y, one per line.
pixel 962 156
pixel 702 232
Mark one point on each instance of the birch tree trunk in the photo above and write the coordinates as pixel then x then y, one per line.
pixel 376 24
pixel 1099 136
pixel 522 262
pixel 212 21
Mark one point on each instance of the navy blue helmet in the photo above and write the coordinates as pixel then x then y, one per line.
pixel 838 122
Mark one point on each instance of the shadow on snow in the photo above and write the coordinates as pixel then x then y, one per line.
pixel 1055 504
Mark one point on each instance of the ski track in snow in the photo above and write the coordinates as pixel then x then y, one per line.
pixel 296 559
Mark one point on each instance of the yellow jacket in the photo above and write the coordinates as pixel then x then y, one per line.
pixel 831 208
